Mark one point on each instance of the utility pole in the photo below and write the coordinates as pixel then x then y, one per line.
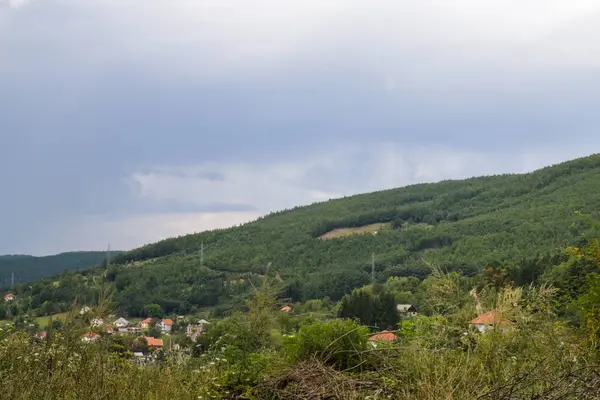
pixel 108 256
pixel 373 267
pixel 202 254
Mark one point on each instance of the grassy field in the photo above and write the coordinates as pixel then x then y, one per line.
pixel 358 230
pixel 43 321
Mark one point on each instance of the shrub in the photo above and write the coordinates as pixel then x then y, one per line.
pixel 339 343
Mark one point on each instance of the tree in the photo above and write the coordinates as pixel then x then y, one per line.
pixel 153 310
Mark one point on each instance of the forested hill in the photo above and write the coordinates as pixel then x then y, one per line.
pixel 29 268
pixel 460 224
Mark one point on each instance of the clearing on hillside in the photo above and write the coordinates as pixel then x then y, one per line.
pixel 357 230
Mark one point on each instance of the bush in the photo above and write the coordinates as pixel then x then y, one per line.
pixel 339 343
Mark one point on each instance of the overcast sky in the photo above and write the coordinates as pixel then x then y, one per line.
pixel 128 121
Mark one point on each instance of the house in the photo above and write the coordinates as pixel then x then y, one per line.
pixel 193 331
pixel 383 336
pixel 42 335
pixel 9 297
pixel 90 337
pixel 134 330
pixel 121 323
pixel 84 310
pixel 165 325
pixel 145 324
pixel 153 342
pixel 97 321
pixel 488 321
pixel 286 309
pixel 108 329
pixel 407 310
pixel 202 324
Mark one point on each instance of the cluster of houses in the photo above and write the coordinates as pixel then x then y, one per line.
pixel 122 326
pixel 483 323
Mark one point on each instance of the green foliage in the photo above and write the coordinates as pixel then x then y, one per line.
pixel 339 343
pixel 374 310
pixel 153 310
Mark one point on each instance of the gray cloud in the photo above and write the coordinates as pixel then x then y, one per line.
pixel 117 112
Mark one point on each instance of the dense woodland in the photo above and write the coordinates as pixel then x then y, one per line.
pixel 521 223
pixel 29 268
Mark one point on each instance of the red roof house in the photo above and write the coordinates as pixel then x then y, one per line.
pixel 286 309
pixel 383 336
pixel 9 297
pixel 487 320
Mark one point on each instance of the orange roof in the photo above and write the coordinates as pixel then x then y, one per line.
pixel 489 318
pixel 153 341
pixel 9 295
pixel 90 334
pixel 147 320
pixel 286 308
pixel 384 336
pixel 167 321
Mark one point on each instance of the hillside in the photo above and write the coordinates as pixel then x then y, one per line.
pixel 459 224
pixel 29 268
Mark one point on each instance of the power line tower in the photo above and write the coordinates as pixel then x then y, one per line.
pixel 202 254
pixel 108 256
pixel 373 267
pixel 12 280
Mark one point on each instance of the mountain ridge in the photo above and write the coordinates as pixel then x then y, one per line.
pixel 517 220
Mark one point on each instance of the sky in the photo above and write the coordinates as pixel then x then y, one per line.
pixel 126 122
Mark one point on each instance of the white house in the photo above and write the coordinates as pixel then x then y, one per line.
pixel 165 325
pixel 9 297
pixel 97 321
pixel 121 323
pixel 90 337
pixel 84 310
pixel 407 310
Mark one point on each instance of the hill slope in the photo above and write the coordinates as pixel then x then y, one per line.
pixel 461 225
pixel 30 268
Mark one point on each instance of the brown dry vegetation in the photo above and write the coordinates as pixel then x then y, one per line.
pixel 358 230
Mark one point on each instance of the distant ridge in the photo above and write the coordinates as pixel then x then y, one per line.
pixel 29 268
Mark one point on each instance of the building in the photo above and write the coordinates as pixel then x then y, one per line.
pixel 90 337
pixel 286 309
pixel 407 310
pixel 9 297
pixel 488 321
pixel 193 331
pixel 121 323
pixel 145 324
pixel 97 321
pixel 133 330
pixel 165 325
pixel 153 342
pixel 84 310
pixel 383 336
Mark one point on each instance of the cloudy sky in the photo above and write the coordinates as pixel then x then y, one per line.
pixel 128 121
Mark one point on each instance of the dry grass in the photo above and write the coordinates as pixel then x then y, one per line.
pixel 313 380
pixel 358 230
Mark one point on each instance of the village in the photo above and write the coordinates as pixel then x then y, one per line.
pixel 154 335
